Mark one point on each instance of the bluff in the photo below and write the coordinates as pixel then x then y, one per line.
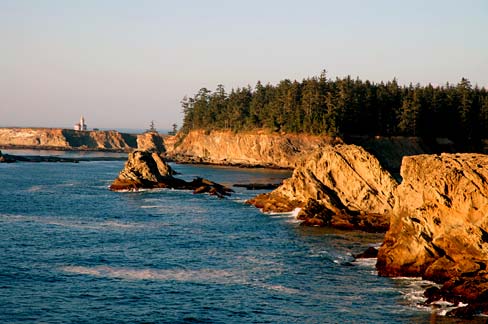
pixel 257 148
pixel 342 186
pixel 66 139
pixel 439 225
pixel 147 170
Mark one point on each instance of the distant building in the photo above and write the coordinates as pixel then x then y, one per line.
pixel 81 126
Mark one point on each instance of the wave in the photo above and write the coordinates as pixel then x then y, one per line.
pixel 412 290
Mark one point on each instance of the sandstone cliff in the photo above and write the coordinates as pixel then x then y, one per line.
pixel 147 170
pixel 439 227
pixel 248 149
pixel 46 137
pixel 342 186
pixel 66 139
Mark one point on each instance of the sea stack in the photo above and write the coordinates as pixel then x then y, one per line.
pixel 341 186
pixel 147 170
pixel 439 227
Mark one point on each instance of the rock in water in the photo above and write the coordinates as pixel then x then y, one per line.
pixel 342 186
pixel 142 170
pixel 146 170
pixel 439 227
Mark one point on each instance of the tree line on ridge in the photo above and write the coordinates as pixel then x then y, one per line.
pixel 344 107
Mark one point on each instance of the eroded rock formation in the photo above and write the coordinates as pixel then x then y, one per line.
pixel 256 148
pixel 147 170
pixel 342 186
pixel 439 228
pixel 150 141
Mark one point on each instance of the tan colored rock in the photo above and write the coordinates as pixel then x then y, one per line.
pixel 150 141
pixel 142 170
pixel 68 139
pixel 48 137
pixel 255 148
pixel 147 170
pixel 440 225
pixel 342 186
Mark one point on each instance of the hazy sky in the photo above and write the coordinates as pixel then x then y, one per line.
pixel 123 63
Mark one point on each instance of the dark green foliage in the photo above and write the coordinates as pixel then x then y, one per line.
pixel 345 107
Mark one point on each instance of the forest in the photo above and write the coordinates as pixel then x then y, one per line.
pixel 343 107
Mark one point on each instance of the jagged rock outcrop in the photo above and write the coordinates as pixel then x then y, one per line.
pixel 439 227
pixel 257 148
pixel 150 141
pixel 67 139
pixel 147 170
pixel 342 186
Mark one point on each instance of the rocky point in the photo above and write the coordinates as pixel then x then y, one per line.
pixel 439 227
pixel 341 186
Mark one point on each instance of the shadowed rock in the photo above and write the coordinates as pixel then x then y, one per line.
pixel 146 170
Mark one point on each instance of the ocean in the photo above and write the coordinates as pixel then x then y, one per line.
pixel 74 252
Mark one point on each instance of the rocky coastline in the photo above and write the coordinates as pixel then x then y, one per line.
pixel 433 212
pixel 439 228
pixel 71 140
pixel 435 219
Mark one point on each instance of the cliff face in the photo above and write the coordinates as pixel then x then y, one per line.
pixel 249 149
pixel 66 139
pixel 33 137
pixel 440 227
pixel 342 186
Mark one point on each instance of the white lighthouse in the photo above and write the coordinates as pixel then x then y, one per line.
pixel 81 126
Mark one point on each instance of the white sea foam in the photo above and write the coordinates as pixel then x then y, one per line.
pixel 295 212
pixel 150 206
pixel 413 289
pixel 77 224
pixel 183 275
pixel 205 275
pixel 34 189
pixel 366 262
pixel 279 288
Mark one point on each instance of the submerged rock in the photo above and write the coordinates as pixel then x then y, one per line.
pixel 439 227
pixel 342 186
pixel 146 170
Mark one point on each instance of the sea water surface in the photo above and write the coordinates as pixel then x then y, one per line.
pixel 71 251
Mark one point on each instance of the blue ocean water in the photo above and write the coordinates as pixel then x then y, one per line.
pixel 71 251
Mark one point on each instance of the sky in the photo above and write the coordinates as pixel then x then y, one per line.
pixel 124 63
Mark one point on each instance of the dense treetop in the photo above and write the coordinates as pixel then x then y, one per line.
pixel 345 106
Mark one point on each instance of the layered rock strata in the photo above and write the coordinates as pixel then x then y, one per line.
pixel 243 149
pixel 341 186
pixel 147 170
pixel 439 227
